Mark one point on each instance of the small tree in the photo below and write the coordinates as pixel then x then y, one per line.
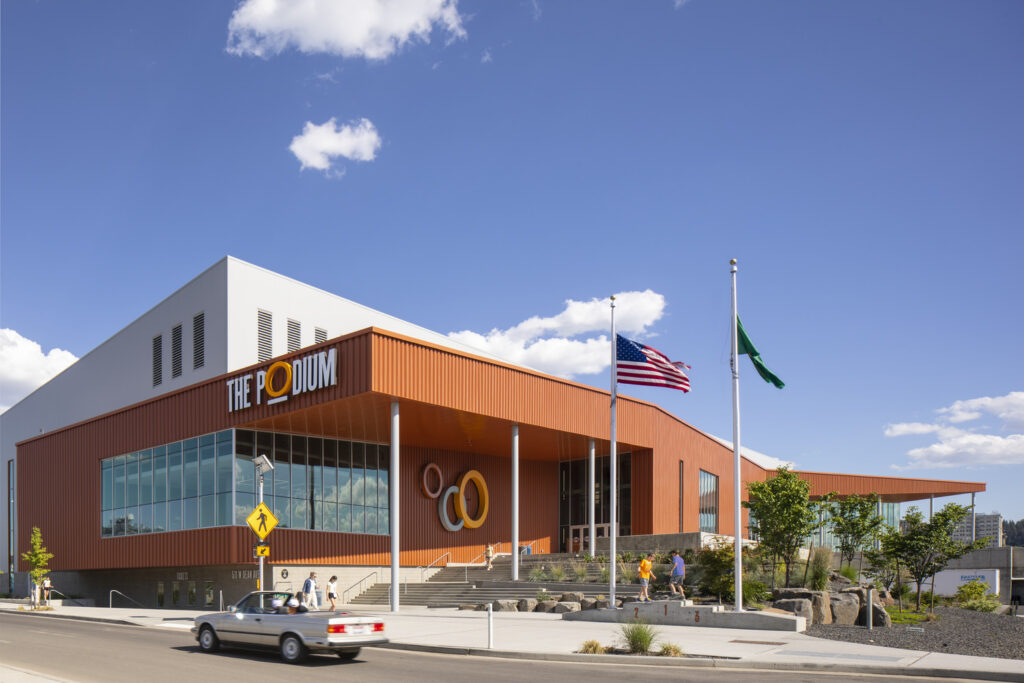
pixel 925 548
pixel 855 522
pixel 884 562
pixel 782 514
pixel 38 557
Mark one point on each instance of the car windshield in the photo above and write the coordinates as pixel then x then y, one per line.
pixel 260 603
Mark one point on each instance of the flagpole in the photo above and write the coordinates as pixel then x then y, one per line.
pixel 613 518
pixel 737 482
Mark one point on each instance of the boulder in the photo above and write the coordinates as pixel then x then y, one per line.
pixel 587 603
pixel 506 605
pixel 601 603
pixel 563 607
pixel 859 591
pixel 838 579
pixel 571 596
pixel 468 607
pixel 545 606
pixel 527 605
pixel 845 608
pixel 798 606
pixel 880 618
pixel 482 607
pixel 792 594
pixel 821 609
pixel 885 598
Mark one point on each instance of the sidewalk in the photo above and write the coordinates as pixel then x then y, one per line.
pixel 547 636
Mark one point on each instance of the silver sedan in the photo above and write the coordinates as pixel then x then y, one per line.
pixel 256 622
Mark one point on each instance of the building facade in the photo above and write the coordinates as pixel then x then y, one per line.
pixel 378 437
pixel 990 526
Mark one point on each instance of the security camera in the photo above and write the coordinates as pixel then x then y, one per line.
pixel 263 463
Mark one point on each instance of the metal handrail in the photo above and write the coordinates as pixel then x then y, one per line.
pixel 344 593
pixel 111 599
pixel 424 569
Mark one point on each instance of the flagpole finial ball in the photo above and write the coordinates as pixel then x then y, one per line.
pixel 613 297
pixel 732 262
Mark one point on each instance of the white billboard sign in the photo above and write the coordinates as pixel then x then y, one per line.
pixel 948 580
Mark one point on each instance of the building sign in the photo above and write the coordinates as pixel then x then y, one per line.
pixel 431 473
pixel 281 380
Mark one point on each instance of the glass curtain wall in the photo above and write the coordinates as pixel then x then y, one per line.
pixel 320 484
pixel 572 494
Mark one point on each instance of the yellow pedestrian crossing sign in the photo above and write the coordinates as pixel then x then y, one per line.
pixel 262 521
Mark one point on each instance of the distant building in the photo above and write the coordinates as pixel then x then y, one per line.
pixel 984 525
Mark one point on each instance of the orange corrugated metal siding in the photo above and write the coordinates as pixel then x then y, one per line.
pixel 456 409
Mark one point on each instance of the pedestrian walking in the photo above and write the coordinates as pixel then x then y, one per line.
pixel 675 581
pixel 46 590
pixel 332 592
pixel 646 572
pixel 309 591
pixel 489 555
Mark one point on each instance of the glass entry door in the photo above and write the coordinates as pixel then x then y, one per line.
pixel 579 537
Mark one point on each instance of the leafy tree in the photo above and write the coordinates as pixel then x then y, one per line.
pixel 884 561
pixel 38 557
pixel 855 522
pixel 1013 532
pixel 782 514
pixel 925 548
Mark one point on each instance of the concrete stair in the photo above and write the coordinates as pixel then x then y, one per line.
pixel 459 585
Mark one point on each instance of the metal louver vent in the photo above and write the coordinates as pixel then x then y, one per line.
pixel 158 360
pixel 264 335
pixel 319 335
pixel 294 335
pixel 176 351
pixel 199 341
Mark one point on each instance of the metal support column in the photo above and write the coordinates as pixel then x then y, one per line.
pixel 393 512
pixel 515 502
pixel 974 521
pixel 592 546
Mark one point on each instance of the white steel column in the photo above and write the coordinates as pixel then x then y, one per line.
pixel 613 513
pixel 592 546
pixel 515 502
pixel 737 484
pixel 974 521
pixel 393 499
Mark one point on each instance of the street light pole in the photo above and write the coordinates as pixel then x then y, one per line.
pixel 263 464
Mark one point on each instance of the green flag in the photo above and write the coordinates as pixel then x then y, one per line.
pixel 744 345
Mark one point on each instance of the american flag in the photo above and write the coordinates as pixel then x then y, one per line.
pixel 640 364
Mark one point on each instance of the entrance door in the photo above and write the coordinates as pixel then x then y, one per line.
pixel 579 537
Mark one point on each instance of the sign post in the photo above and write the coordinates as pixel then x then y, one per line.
pixel 261 520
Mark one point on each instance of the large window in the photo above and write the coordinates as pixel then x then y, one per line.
pixel 708 502
pixel 572 494
pixel 321 484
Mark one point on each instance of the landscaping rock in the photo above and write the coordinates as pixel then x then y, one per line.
pixel 506 605
pixel 545 606
pixel 527 605
pixel 571 596
pixel 588 603
pixel 602 603
pixel 845 608
pixel 468 608
pixel 799 606
pixel 482 607
pixel 859 591
pixel 563 607
pixel 885 597
pixel 792 594
pixel 821 609
pixel 880 618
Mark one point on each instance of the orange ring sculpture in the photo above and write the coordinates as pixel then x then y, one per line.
pixel 460 500
pixel 431 467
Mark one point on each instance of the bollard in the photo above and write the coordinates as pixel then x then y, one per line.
pixel 222 601
pixel 871 610
pixel 490 626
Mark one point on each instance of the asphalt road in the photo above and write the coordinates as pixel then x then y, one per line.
pixel 109 653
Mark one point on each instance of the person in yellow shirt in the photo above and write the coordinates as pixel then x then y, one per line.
pixel 646 573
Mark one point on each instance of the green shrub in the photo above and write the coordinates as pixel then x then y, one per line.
pixel 557 573
pixel 605 575
pixel 901 590
pixel 639 636
pixel 537 574
pixel 592 647
pixel 587 557
pixel 579 571
pixel 670 650
pixel 817 576
pixel 543 595
pixel 755 593
pixel 974 595
pixel 716 576
pixel 627 574
pixel 849 572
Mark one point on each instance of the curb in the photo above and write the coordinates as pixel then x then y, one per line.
pixel 121 622
pixel 697 662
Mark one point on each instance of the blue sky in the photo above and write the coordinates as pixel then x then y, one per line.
pixel 473 167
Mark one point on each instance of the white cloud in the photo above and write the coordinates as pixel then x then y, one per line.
pixel 548 344
pixel 1009 409
pixel 958 447
pixel 318 145
pixel 371 29
pixel 24 367
pixel 486 57
pixel 904 428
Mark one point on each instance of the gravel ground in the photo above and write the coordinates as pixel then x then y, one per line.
pixel 957 631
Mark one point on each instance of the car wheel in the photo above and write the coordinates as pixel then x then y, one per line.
pixel 208 640
pixel 293 650
pixel 348 655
